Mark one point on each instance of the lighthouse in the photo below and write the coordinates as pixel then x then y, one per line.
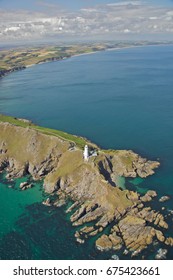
pixel 86 153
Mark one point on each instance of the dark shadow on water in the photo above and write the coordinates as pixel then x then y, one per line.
pixel 45 233
pixel 14 246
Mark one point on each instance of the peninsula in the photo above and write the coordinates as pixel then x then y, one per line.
pixel 56 157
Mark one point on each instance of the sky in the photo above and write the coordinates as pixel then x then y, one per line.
pixel 33 19
pixel 39 5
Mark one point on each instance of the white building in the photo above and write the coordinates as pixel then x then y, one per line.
pixel 86 153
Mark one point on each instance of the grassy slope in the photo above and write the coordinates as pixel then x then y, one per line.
pixel 79 141
pixel 19 57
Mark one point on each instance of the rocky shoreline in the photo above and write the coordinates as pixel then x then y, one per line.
pixel 14 69
pixel 5 72
pixel 91 185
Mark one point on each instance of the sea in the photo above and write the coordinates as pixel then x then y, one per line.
pixel 119 99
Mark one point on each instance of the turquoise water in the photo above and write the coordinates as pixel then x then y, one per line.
pixel 30 230
pixel 119 99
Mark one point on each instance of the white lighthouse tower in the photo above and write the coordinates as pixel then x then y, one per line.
pixel 86 153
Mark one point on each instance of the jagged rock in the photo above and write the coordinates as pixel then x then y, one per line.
pixel 164 198
pixel 93 233
pixel 3 164
pixel 25 185
pixel 129 164
pixel 115 257
pixel 47 202
pixel 103 243
pixel 77 234
pixel 141 205
pixel 170 211
pixel 88 217
pixel 74 205
pixel 103 222
pixel 135 253
pixel 169 241
pixel 147 214
pixel 148 196
pixel 3 151
pixel 161 254
pixel 78 213
pixel 152 217
pixel 136 235
pixel 134 196
pixel 160 236
pixel 115 229
pixel 8 176
pixel 160 221
pixel 79 240
pixel 152 193
pixel 134 211
pixel 125 252
pixel 116 241
pixel 90 184
pixel 86 229
pixel 59 202
pixel 100 229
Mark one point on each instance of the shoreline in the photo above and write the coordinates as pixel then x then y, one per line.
pixel 124 219
pixel 4 73
pixel 96 196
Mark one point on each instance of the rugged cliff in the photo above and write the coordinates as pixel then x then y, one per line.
pixel 57 158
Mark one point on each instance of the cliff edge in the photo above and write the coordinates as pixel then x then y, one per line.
pixel 57 158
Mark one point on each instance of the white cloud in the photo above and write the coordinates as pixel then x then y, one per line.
pixel 131 17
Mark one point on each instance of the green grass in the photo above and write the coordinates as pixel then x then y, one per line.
pixel 14 121
pixel 79 141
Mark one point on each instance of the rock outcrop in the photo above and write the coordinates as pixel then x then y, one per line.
pixel 164 198
pixel 90 185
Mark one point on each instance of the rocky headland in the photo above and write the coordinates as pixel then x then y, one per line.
pixel 90 185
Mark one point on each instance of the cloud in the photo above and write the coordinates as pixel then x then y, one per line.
pixel 133 17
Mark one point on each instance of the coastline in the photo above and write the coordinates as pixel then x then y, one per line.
pixel 95 195
pixel 54 59
pixel 140 46
pixel 104 50
pixel 83 54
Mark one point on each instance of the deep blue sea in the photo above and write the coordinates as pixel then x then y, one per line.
pixel 121 99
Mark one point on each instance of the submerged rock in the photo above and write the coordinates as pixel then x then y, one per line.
pixel 161 254
pixel 170 211
pixel 25 186
pixel 115 257
pixel 59 203
pixel 47 202
pixel 90 185
pixel 125 252
pixel 79 240
pixel 164 198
